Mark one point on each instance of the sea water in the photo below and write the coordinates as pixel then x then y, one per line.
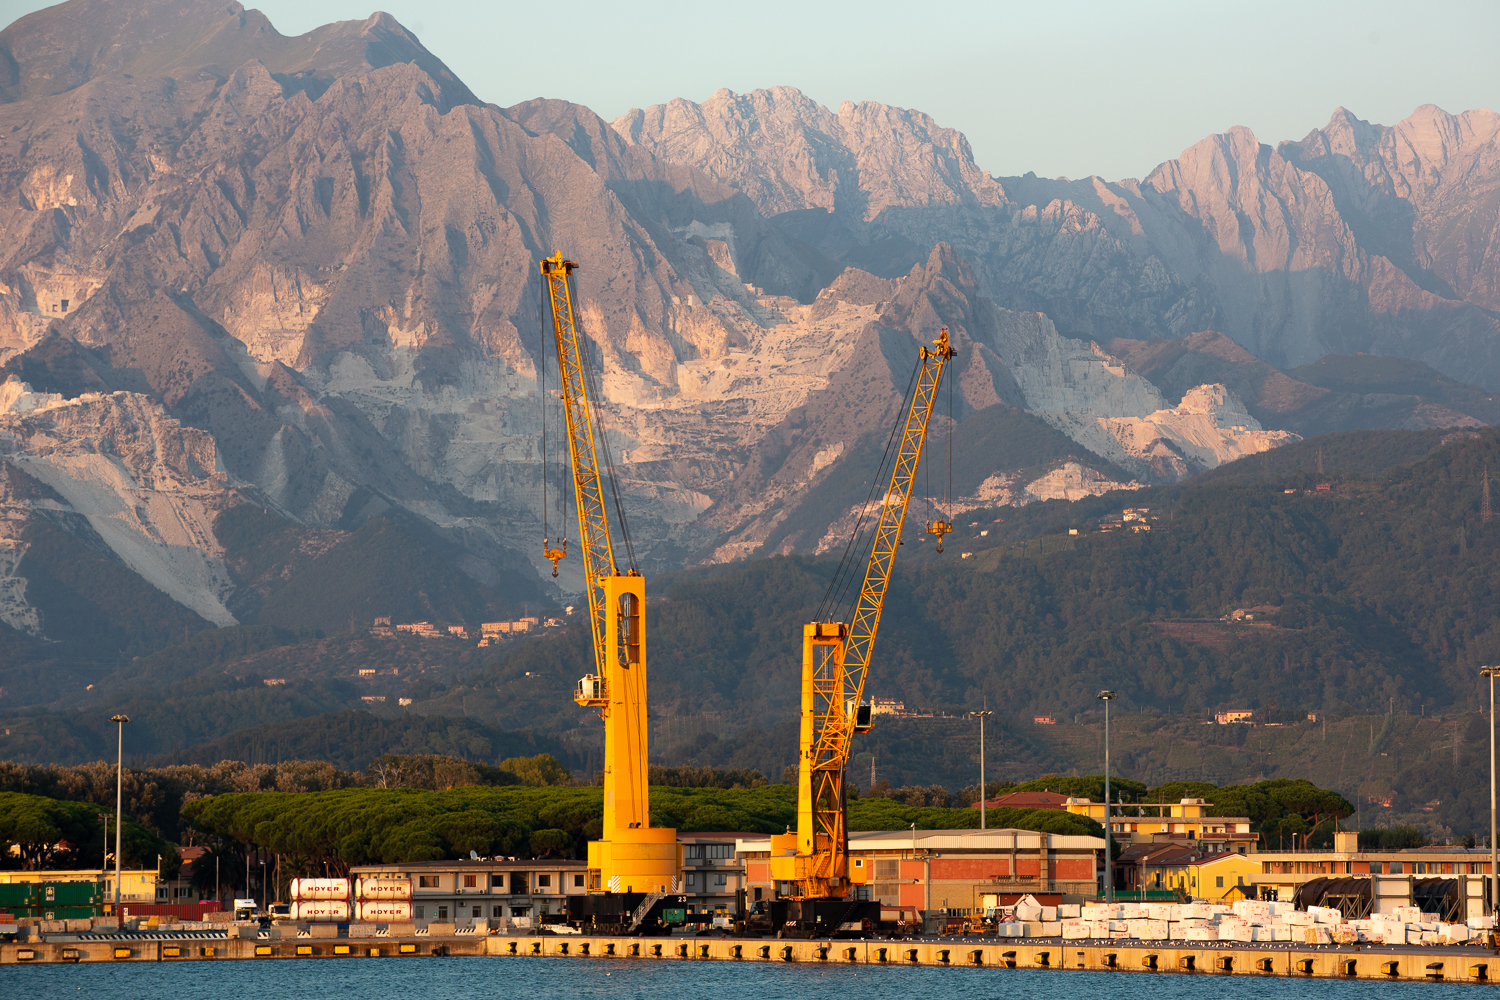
pixel 472 978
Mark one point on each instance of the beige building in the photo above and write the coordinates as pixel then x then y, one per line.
pixel 713 872
pixel 1385 879
pixel 495 891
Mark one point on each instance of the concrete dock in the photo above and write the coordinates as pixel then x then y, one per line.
pixel 1395 963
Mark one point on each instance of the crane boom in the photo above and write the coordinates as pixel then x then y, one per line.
pixel 593 517
pixel 835 663
pixel 630 856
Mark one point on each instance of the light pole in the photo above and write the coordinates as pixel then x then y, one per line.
pixel 119 721
pixel 1109 859
pixel 1490 672
pixel 981 716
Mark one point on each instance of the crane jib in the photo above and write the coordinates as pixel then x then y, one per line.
pixel 593 518
pixel 835 663
pixel 866 619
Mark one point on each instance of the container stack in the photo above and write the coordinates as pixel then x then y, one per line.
pixel 52 900
pixel 320 900
pixel 341 900
pixel 382 900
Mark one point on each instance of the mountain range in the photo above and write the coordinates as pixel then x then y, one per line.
pixel 274 338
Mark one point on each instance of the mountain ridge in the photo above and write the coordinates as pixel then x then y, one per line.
pixel 324 266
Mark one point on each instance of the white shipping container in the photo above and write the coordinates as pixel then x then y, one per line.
pixel 321 910
pixel 384 911
pixel 373 889
pixel 320 888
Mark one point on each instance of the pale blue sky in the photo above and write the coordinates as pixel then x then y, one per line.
pixel 1060 88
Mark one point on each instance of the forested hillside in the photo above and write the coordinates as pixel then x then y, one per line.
pixel 1385 594
pixel 1381 593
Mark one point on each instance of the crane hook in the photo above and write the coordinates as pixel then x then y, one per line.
pixel 939 528
pixel 554 554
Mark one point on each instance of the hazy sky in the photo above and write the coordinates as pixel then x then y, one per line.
pixel 1059 88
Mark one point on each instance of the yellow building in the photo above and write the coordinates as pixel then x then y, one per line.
pixel 1215 875
pixel 1224 878
pixel 1182 822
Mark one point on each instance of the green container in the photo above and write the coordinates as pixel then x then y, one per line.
pixel 63 912
pixel 55 894
pixel 674 916
pixel 15 895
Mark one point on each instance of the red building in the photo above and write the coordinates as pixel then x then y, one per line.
pixel 912 870
pixel 1026 800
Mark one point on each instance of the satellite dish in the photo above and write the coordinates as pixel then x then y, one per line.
pixel 473 855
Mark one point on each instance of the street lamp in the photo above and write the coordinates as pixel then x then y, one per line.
pixel 119 721
pixel 1490 672
pixel 1109 860
pixel 981 716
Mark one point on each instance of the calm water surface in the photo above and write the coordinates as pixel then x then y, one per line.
pixel 529 978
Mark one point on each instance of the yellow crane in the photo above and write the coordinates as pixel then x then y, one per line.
pixel 835 663
pixel 630 857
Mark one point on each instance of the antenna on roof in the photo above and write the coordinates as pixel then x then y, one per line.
pixel 473 855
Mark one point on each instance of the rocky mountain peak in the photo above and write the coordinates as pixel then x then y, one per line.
pixel 61 48
pixel 789 153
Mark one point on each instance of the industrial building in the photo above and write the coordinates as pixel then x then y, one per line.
pixel 920 870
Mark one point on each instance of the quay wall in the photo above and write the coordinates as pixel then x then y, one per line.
pixel 1456 964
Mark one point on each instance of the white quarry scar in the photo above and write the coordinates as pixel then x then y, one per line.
pixel 166 538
